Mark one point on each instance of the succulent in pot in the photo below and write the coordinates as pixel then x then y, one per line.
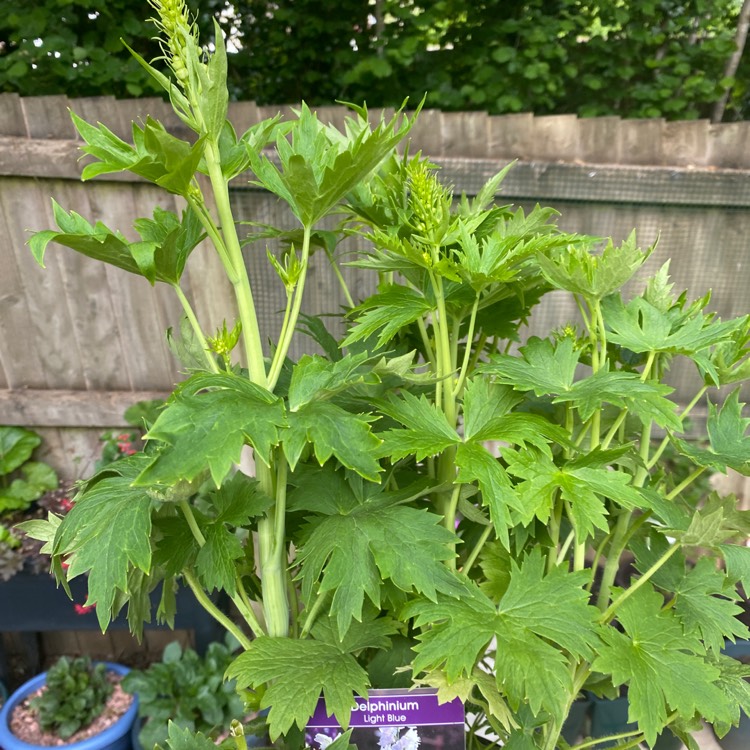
pixel 75 703
pixel 432 503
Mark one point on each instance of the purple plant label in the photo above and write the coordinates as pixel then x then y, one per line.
pixel 393 720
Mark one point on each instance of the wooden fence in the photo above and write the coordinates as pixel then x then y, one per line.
pixel 79 341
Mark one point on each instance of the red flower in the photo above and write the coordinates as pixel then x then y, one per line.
pixel 82 609
pixel 65 504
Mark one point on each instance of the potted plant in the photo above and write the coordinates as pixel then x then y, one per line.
pixel 187 689
pixel 427 496
pixel 75 703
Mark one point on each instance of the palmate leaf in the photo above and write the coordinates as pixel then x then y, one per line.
pixel 315 377
pixel 729 445
pixel 579 271
pixel 297 672
pixel 539 619
pixel 734 682
pixel 427 431
pixel 333 431
pixel 484 401
pixel 544 367
pixel 387 312
pixel 702 594
pixel 641 327
pixel 206 422
pixel 583 487
pixel 661 665
pixel 107 533
pixel 383 540
pixel 320 165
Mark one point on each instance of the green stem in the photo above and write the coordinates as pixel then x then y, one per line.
pixel 665 442
pixel 190 314
pixel 450 516
pixel 272 547
pixel 613 429
pixel 342 283
pixel 609 613
pixel 313 614
pixel 611 738
pixel 187 511
pixel 214 611
pixel 565 547
pixel 429 352
pixel 240 598
pixel 240 280
pixel 467 352
pixel 472 558
pixel 685 482
pixel 290 321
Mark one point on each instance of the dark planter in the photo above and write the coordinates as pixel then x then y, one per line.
pixel 610 717
pixel 33 603
pixel 116 737
pixel 738 738
pixel 574 726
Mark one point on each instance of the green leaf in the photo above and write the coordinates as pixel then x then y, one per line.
pixel 594 277
pixel 320 165
pixel 387 312
pixel 729 446
pixel 318 378
pixel 372 632
pixel 333 431
pixel 545 367
pixel 641 327
pixel 173 240
pixel 384 540
pixel 702 606
pixel 215 562
pixel 485 401
pixel 16 446
pixel 186 739
pixel 660 664
pixel 539 620
pixel 477 464
pixel 296 672
pixel 206 422
pixel 427 430
pixel 737 558
pixel 107 533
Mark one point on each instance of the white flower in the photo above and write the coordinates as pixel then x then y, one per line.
pixel 323 740
pixel 409 741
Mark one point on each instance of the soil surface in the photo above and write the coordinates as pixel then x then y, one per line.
pixel 24 725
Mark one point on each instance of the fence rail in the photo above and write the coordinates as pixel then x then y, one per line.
pixel 79 342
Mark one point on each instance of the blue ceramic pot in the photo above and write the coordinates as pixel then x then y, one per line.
pixel 115 737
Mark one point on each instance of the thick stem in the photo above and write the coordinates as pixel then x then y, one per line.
pixel 240 280
pixel 272 548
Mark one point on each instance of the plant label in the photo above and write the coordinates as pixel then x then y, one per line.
pixel 394 720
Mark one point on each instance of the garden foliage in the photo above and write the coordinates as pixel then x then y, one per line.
pixel 434 502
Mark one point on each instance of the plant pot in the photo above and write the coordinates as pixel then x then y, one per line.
pixel 738 738
pixel 115 737
pixel 609 717
pixel 573 728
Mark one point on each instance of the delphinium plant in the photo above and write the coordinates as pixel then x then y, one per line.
pixel 432 503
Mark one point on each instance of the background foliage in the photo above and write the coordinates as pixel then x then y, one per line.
pixel 634 58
